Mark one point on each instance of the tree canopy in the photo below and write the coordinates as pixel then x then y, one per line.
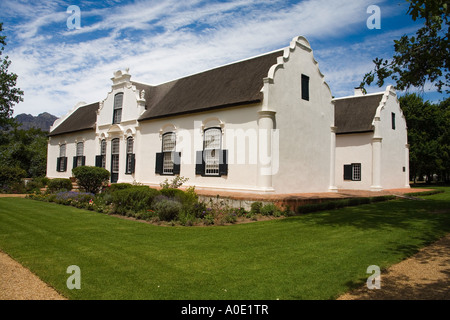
pixel 420 58
pixel 428 136
pixel 9 94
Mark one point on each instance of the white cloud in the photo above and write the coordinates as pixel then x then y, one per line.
pixel 163 40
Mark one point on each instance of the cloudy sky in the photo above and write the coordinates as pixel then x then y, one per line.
pixel 60 64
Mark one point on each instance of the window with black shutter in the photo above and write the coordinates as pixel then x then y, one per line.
pixel 130 156
pixel 61 161
pixel 305 87
pixel 79 160
pixel 352 172
pixel 168 161
pixel 212 161
pixel 100 160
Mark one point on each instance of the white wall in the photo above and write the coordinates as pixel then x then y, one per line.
pixel 71 140
pixel 394 151
pixel 354 148
pixel 304 126
pixel 242 170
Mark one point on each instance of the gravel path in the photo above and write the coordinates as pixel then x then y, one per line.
pixel 424 276
pixel 19 283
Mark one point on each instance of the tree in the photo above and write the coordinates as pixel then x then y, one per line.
pixel 428 136
pixel 9 94
pixel 421 58
pixel 25 149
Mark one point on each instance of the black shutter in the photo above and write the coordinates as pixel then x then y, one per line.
pixel 64 168
pixel 305 87
pixel 159 163
pixel 74 162
pixel 199 163
pixel 176 156
pixel 58 164
pixel 83 160
pixel 223 162
pixel 348 172
pixel 133 163
pixel 98 161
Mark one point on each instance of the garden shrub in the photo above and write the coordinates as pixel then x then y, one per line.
pixel 118 186
pixel 74 198
pixel 11 178
pixel 59 184
pixel 167 209
pixel 133 199
pixel 256 207
pixel 270 209
pixel 173 193
pixel 91 179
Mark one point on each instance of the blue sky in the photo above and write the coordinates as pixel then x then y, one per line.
pixel 163 40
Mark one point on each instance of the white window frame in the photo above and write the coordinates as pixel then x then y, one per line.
pixel 168 148
pixel 212 146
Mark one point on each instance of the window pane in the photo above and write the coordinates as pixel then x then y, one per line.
pixel 115 163
pixel 130 145
pixel 356 175
pixel 168 142
pixel 118 101
pixel 168 163
pixel 212 138
pixel 80 149
pixel 212 162
pixel 103 147
pixel 62 150
pixel 115 146
pixel 117 116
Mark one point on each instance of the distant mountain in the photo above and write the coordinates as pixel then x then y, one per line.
pixel 43 121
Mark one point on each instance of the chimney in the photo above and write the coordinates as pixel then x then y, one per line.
pixel 359 91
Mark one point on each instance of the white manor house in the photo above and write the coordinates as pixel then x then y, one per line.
pixel 267 124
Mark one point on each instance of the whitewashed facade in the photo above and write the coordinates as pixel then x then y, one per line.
pixel 262 125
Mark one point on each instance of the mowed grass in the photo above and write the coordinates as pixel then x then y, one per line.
pixel 314 256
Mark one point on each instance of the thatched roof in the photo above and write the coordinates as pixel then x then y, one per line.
pixel 84 118
pixel 234 84
pixel 356 114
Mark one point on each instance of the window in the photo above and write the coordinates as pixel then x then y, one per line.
pixel 393 120
pixel 100 160
pixel 115 144
pixel 212 161
pixel 305 87
pixel 61 161
pixel 118 102
pixel 130 157
pixel 168 161
pixel 352 172
pixel 79 159
pixel 211 148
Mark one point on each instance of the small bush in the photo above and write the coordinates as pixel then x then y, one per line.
pixel 168 209
pixel 59 184
pixel 118 186
pixel 91 179
pixel 270 209
pixel 256 207
pixel 134 199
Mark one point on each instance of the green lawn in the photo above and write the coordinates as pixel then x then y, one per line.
pixel 314 256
